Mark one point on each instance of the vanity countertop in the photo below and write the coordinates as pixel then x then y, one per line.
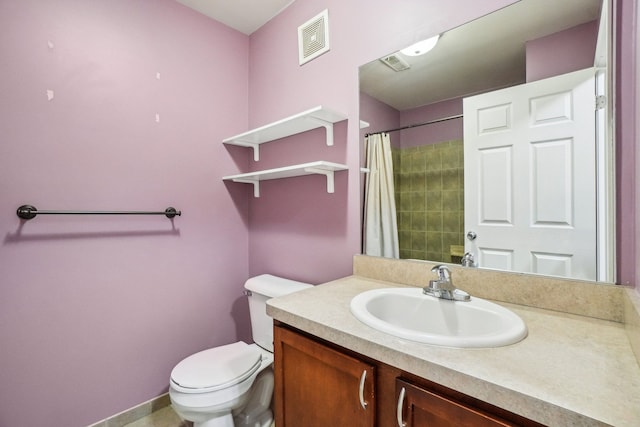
pixel 570 370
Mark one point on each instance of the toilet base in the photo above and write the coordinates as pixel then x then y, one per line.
pixel 257 411
pixel 264 420
pixel 222 421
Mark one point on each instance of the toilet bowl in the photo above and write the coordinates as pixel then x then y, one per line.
pixel 209 386
pixel 232 385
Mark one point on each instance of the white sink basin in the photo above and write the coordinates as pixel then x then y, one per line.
pixel 408 313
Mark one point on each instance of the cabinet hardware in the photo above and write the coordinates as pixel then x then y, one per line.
pixel 361 391
pixel 399 409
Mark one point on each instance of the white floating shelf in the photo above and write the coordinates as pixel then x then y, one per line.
pixel 319 167
pixel 298 123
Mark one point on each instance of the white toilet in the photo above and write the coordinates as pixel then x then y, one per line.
pixel 232 385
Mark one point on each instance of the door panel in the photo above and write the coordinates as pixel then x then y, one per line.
pixel 530 176
pixel 552 183
pixel 496 184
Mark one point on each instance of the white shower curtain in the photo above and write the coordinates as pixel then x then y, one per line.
pixel 380 223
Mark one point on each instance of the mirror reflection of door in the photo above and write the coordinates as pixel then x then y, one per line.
pixel 541 219
pixel 526 42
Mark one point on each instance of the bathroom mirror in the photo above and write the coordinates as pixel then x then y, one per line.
pixel 521 44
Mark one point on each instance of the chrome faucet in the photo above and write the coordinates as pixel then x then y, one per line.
pixel 443 287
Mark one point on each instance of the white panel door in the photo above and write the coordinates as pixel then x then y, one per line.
pixel 530 177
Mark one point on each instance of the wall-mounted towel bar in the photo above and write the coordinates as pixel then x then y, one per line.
pixel 30 212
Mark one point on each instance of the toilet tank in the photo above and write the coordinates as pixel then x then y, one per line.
pixel 260 289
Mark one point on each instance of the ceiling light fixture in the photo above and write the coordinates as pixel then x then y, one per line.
pixel 421 47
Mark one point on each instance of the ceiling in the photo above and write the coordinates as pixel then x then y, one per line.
pixel 487 53
pixel 245 16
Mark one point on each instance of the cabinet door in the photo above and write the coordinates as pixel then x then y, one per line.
pixel 418 407
pixel 317 386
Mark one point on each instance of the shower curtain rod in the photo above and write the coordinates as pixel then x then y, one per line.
pixel 416 125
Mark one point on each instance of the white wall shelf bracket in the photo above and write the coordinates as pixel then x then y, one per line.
pixel 326 173
pixel 255 182
pixel 328 127
pixel 249 144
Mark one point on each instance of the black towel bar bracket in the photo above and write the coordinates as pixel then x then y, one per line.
pixel 30 212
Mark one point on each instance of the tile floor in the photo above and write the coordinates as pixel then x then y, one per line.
pixel 164 417
pixel 154 413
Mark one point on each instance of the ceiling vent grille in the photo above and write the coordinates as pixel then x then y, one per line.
pixel 313 37
pixel 395 62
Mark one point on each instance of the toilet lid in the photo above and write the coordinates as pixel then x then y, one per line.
pixel 218 367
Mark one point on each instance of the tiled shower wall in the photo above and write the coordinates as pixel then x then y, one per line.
pixel 429 183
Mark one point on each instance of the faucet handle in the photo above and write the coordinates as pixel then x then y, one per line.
pixel 444 274
pixel 443 287
pixel 467 260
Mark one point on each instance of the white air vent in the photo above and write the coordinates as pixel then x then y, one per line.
pixel 395 62
pixel 313 37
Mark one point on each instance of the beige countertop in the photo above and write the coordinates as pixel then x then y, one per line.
pixel 571 370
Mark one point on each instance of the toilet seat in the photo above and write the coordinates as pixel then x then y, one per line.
pixel 216 368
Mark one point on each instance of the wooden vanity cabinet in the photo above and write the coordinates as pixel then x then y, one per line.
pixel 318 384
pixel 423 408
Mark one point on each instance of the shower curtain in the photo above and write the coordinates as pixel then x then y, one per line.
pixel 380 223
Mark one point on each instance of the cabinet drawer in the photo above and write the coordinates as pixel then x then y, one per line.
pixel 420 407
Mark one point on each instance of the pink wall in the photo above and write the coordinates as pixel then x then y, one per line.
pixel 563 52
pixel 96 311
pixel 360 31
pixel 437 132
pixel 628 226
pixel 636 139
pixel 380 116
